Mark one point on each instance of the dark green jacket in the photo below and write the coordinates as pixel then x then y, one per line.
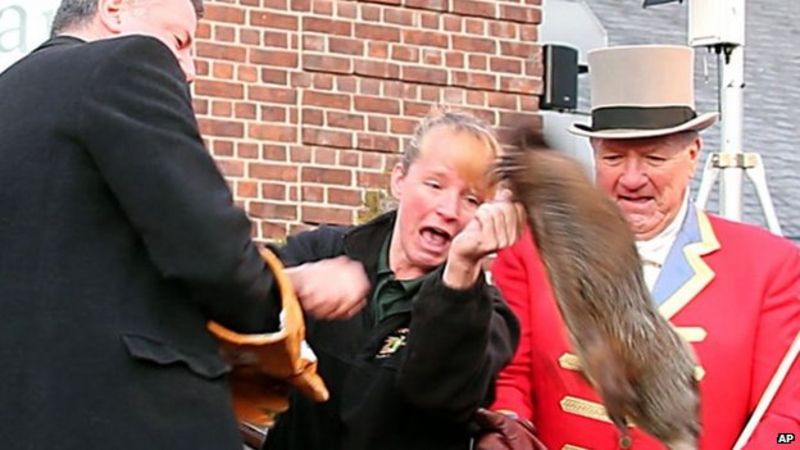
pixel 386 395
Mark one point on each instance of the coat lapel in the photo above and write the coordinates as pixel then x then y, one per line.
pixel 685 273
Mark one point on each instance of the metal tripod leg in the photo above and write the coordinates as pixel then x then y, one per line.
pixel 753 167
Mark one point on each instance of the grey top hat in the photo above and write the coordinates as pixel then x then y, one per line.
pixel 642 91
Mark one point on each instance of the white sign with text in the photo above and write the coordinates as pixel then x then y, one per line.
pixel 24 24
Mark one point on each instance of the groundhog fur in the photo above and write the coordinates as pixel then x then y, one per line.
pixel 641 368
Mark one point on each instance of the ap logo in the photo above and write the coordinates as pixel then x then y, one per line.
pixel 785 438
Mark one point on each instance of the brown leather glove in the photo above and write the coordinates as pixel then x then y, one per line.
pixel 501 432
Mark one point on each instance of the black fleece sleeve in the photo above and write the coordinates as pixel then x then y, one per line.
pixel 458 342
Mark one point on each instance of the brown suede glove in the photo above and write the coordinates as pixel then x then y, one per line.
pixel 501 432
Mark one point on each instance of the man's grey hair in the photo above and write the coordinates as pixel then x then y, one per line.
pixel 74 14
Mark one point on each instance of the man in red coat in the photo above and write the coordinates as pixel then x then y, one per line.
pixel 729 289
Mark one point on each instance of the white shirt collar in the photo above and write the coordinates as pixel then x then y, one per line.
pixel 654 251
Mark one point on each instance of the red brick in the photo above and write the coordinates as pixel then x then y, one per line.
pixel 453 96
pixel 398 16
pixel 522 85
pixel 223 148
pixel 272 172
pixel 503 100
pixel 244 111
pixel 327 26
pixel 430 20
pixel 475 26
pixel 250 37
pixel 275 4
pixel 376 142
pixel 346 45
pixel 247 73
pixel 219 51
pixel 377 33
pixel 377 123
pixel 432 57
pixel 273 20
pixel 322 81
pixel 230 167
pixel 274 76
pixel 272 211
pixel 377 69
pixel 273 230
pixel 246 151
pixel 203 30
pixel 373 180
pixel 474 44
pixel 534 69
pixel 377 50
pixel 274 152
pixel 336 101
pixel 435 5
pixel 273 191
pixel 453 23
pixel 506 30
pixel 426 38
pixel 405 53
pixel 323 7
pixel 392 89
pixel 324 175
pixel 315 194
pixel 506 65
pixel 214 12
pixel 301 5
pixel 454 60
pixel 474 80
pixel 224 34
pixel 370 160
pixel 300 154
pixel 431 93
pixel 221 128
pixel 370 13
pixel 327 215
pixel 221 109
pixel 271 132
pixel 403 126
pixel 519 49
pixel 272 94
pixel 476 98
pixel 369 86
pixel 327 63
pixel 273 57
pixel 517 119
pixel 525 14
pixel 312 116
pixel 344 120
pixel 421 74
pixel 301 79
pixel 276 39
pixel 347 84
pixel 378 105
pixel 416 109
pixel 529 33
pixel 248 189
pixel 349 158
pixel 324 156
pixel 475 8
pixel 327 138
pixel 272 114
pixel 222 70
pixel 346 9
pixel 347 197
pixel 478 62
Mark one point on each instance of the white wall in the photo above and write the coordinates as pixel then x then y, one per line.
pixel 24 24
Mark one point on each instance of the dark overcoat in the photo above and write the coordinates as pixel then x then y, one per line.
pixel 119 240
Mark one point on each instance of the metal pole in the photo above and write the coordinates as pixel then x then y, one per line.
pixel 731 64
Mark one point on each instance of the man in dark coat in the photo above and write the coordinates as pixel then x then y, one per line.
pixel 118 241
pixel 409 369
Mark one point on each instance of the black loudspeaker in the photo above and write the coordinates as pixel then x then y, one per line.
pixel 560 77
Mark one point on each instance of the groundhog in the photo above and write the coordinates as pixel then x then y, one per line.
pixel 643 371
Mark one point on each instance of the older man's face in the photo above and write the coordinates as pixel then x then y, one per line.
pixel 647 178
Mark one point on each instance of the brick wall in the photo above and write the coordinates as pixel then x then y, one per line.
pixel 306 104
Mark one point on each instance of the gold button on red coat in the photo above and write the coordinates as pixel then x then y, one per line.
pixel 625 442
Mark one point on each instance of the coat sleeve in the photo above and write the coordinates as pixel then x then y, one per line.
pixel 138 126
pixel 779 324
pixel 510 273
pixel 458 342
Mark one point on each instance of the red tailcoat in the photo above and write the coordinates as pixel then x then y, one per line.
pixel 732 290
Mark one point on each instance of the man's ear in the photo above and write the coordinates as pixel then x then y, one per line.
pixel 694 153
pixel 109 13
pixel 397 180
